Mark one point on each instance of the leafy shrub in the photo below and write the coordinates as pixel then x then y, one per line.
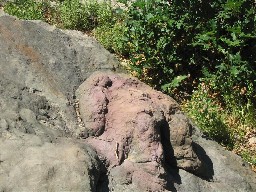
pixel 172 42
pixel 181 46
pixel 111 34
pixel 84 16
pixel 70 14
pixel 111 37
pixel 227 48
pixel 26 9
pixel 73 15
pixel 111 30
pixel 209 115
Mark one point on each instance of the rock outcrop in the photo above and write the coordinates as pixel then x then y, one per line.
pixel 144 139
pixel 40 69
pixel 65 127
pixel 136 128
pixel 42 66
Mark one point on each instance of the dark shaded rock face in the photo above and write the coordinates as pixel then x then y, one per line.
pixel 110 133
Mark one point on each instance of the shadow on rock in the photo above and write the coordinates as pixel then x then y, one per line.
pixel 172 177
pixel 206 170
pixel 172 172
pixel 103 182
pixel 166 143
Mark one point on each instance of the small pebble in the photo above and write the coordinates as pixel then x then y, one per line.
pixel 252 141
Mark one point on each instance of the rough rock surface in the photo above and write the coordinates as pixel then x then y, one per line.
pixel 142 136
pixel 135 127
pixel 30 164
pixel 40 69
pixel 43 66
pixel 123 136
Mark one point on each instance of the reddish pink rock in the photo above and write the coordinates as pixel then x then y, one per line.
pixel 129 123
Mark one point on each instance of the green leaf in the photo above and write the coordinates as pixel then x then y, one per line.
pixel 149 16
pixel 177 80
pixel 175 83
pixel 234 71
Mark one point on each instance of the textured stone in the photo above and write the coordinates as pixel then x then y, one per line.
pixel 27 163
pixel 40 68
pixel 144 139
pixel 123 137
pixel 252 141
pixel 148 123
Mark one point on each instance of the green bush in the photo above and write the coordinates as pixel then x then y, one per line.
pixel 84 16
pixel 249 157
pixel 73 15
pixel 70 14
pixel 26 9
pixel 111 34
pixel 209 116
pixel 111 37
pixel 173 42
pixel 179 46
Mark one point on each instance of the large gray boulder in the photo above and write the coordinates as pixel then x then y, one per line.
pixel 40 69
pixel 42 65
pixel 30 164
pixel 65 127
